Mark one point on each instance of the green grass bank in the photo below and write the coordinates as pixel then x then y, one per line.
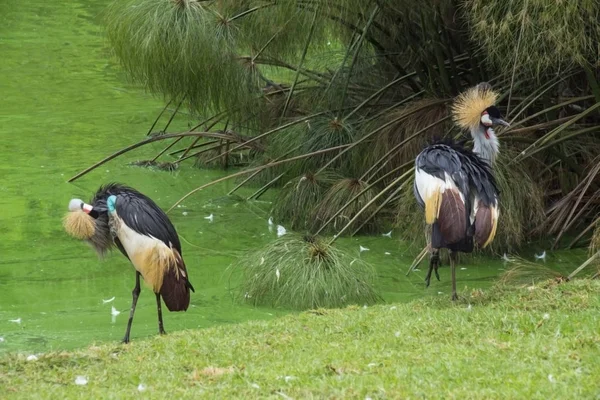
pixel 531 342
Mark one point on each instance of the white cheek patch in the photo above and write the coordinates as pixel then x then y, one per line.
pixel 75 204
pixel 486 120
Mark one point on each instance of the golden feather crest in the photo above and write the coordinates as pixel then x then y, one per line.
pixel 469 105
pixel 79 225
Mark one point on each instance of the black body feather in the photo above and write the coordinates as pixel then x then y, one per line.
pixel 141 214
pixel 471 174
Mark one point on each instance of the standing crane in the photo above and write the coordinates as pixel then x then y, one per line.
pixel 456 186
pixel 123 217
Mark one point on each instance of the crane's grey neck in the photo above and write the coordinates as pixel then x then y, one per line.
pixel 485 146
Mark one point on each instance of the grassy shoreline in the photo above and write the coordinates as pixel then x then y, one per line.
pixel 536 342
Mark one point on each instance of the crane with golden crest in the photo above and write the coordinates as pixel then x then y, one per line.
pixel 121 216
pixel 456 185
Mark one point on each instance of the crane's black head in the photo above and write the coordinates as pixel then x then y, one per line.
pixel 491 117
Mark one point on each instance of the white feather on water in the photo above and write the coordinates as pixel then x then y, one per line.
pixel 361 249
pixel 210 218
pixel 541 256
pixel 281 231
pixel 389 234
pixel 114 312
pixel 108 301
pixel 16 321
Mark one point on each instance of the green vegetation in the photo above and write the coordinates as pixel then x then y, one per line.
pixel 358 88
pixel 551 37
pixel 537 343
pixel 305 272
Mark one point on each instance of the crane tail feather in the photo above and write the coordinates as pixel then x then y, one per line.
pixel 175 289
pixel 486 224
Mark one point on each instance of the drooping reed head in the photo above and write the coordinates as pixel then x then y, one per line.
pixel 303 272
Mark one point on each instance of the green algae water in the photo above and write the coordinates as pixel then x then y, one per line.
pixel 65 105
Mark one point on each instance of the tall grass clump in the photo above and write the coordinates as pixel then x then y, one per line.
pixel 299 196
pixel 343 202
pixel 305 272
pixel 594 248
pixel 539 36
pixel 404 133
pixel 521 211
pixel 181 50
pixel 523 272
pixel 409 220
pixel 595 243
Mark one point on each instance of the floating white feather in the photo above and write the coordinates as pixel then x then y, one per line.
pixel 281 231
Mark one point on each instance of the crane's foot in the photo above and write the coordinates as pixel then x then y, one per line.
pixel 454 297
pixel 125 340
pixel 161 331
pixel 434 263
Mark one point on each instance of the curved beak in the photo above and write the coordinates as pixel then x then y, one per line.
pixel 499 121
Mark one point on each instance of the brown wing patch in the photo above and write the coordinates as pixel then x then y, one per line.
pixel 175 290
pixel 452 217
pixel 486 222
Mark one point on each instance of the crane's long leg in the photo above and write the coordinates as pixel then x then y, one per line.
pixel 161 329
pixel 434 262
pixel 453 257
pixel 136 294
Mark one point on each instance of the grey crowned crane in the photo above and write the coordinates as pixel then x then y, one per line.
pixel 456 186
pixel 123 217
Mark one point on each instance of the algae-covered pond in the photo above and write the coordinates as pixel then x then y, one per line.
pixel 65 104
